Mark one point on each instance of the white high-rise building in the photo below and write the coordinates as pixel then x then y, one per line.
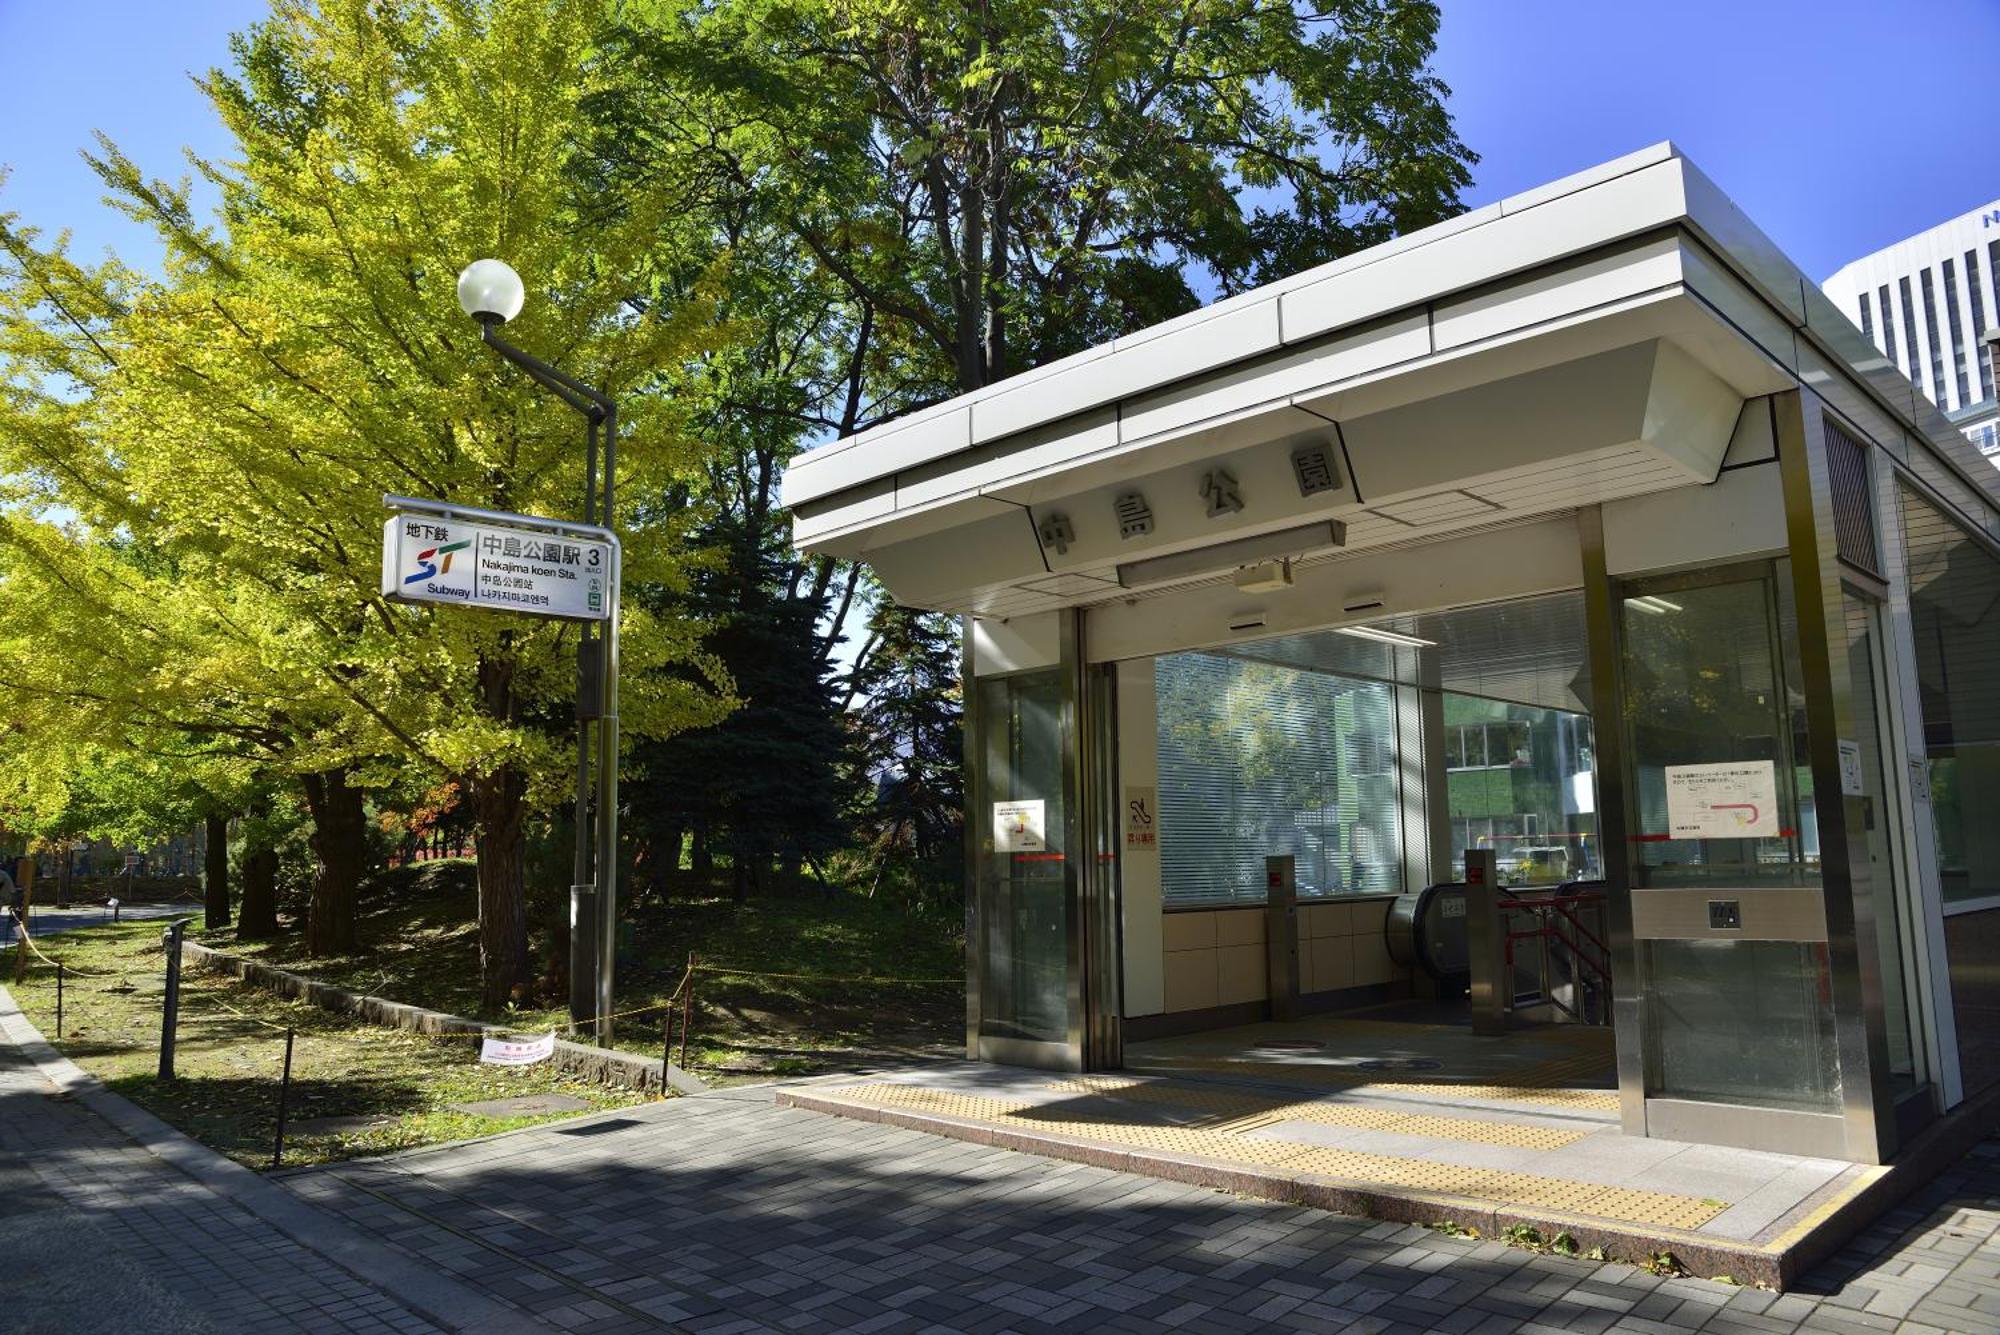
pixel 1928 302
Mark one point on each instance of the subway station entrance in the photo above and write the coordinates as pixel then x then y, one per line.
pixel 1530 678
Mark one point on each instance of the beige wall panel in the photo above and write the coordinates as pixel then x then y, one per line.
pixel 1189 931
pixel 1240 927
pixel 1240 974
pixel 1190 979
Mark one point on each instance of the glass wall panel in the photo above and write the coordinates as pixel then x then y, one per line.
pixel 1257 758
pixel 1520 781
pixel 1955 623
pixel 1022 889
pixel 1742 1022
pixel 1711 680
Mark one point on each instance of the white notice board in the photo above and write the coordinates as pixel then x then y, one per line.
pixel 1020 827
pixel 1736 799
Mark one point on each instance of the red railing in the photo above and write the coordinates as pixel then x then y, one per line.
pixel 1559 930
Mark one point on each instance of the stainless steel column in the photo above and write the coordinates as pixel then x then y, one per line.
pixel 1818 574
pixel 1281 935
pixel 1615 819
pixel 974 797
pixel 1486 943
pixel 1100 910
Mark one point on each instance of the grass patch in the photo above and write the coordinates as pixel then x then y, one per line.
pixel 419 944
pixel 226 1091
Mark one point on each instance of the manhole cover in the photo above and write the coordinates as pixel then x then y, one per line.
pixel 524 1105
pixel 1292 1045
pixel 599 1128
pixel 1399 1064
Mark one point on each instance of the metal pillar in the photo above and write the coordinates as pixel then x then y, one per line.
pixel 593 897
pixel 170 1010
pixel 1818 576
pixel 1281 935
pixel 1486 943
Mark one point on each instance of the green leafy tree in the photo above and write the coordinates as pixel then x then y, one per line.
pixel 995 183
pixel 940 196
pixel 245 410
pixel 909 722
pixel 768 784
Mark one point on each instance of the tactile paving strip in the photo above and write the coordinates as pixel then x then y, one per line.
pixel 1528 1087
pixel 1247 1111
pixel 1507 1188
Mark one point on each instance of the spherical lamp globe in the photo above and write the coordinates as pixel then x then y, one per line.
pixel 490 292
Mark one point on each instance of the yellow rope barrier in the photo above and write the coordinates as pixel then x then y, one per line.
pixel 22 927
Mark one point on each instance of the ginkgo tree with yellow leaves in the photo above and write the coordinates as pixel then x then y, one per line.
pixel 195 460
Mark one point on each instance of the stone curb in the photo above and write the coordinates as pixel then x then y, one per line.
pixel 607 1066
pixel 437 1297
pixel 1747 1263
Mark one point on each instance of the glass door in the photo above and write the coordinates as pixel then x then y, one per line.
pixel 1728 925
pixel 1021 867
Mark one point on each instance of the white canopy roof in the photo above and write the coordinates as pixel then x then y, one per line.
pixel 1589 340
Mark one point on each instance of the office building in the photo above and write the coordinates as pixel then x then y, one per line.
pixel 1927 302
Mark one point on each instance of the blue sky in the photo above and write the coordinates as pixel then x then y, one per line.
pixel 1839 126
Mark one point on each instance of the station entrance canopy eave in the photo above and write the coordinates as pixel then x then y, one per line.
pixel 1591 340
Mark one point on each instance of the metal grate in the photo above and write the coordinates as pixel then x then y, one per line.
pixel 1853 499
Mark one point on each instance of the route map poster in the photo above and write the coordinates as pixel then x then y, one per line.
pixel 1737 799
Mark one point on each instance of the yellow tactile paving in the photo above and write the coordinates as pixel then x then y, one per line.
pixel 1506 1188
pixel 1243 1110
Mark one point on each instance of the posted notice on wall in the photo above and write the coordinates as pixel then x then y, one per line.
pixel 1141 823
pixel 1734 800
pixel 517 1051
pixel 1020 827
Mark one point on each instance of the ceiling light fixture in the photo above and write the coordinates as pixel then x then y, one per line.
pixel 1385 636
pixel 1237 552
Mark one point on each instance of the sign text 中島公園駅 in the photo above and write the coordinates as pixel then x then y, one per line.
pixel 428 559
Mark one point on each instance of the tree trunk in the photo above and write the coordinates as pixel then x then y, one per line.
pixel 339 837
pixel 259 917
pixel 215 873
pixel 702 860
pixel 503 911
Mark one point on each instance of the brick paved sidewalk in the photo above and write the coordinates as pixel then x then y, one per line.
pixel 100 1232
pixel 726 1213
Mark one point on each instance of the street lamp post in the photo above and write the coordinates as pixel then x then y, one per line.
pixel 491 293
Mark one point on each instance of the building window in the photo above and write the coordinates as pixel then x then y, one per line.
pixel 1867 323
pixel 1957 333
pixel 1888 323
pixel 1978 323
pixel 1910 333
pixel 1936 343
pixel 1258 758
pixel 1955 625
pixel 1993 275
pixel 1519 781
